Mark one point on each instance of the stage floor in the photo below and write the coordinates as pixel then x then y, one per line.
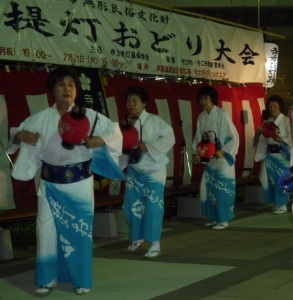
pixel 251 259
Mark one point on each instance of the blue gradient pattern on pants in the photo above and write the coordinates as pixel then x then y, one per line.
pixel 275 165
pixel 219 197
pixel 144 204
pixel 64 232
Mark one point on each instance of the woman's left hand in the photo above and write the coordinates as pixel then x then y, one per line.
pixel 278 139
pixel 219 153
pixel 94 142
pixel 196 158
pixel 142 147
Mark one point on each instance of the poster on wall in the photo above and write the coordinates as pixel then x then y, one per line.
pixel 92 93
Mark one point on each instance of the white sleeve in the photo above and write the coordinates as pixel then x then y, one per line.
pixel 164 141
pixel 110 132
pixel 261 149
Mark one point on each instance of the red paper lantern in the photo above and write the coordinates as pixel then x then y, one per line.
pixel 206 150
pixel 130 137
pixel 269 129
pixel 73 130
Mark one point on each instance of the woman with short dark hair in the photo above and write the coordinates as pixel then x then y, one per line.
pixel 66 194
pixel 217 187
pixel 146 173
pixel 273 146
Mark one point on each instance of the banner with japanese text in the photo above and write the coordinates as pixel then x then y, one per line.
pixel 128 37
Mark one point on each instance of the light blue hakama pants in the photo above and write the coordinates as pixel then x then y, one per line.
pixel 64 233
pixel 274 165
pixel 217 190
pixel 144 204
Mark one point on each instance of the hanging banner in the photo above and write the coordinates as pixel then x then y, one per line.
pixel 92 90
pixel 271 53
pixel 122 36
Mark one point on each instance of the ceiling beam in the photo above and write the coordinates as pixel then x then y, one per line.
pixel 224 3
pixel 196 15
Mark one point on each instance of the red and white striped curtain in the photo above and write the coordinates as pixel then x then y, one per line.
pixel 23 93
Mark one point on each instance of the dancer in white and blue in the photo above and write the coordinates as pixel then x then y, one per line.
pixel 217 187
pixel 146 174
pixel 274 150
pixel 66 192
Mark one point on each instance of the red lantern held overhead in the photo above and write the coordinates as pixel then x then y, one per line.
pixel 73 127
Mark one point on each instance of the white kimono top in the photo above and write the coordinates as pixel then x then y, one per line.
pixel 219 121
pixel 49 148
pixel 283 123
pixel 159 139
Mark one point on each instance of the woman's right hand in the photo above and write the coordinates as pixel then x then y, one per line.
pixel 257 135
pixel 94 142
pixel 27 137
pixel 196 158
pixel 258 131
